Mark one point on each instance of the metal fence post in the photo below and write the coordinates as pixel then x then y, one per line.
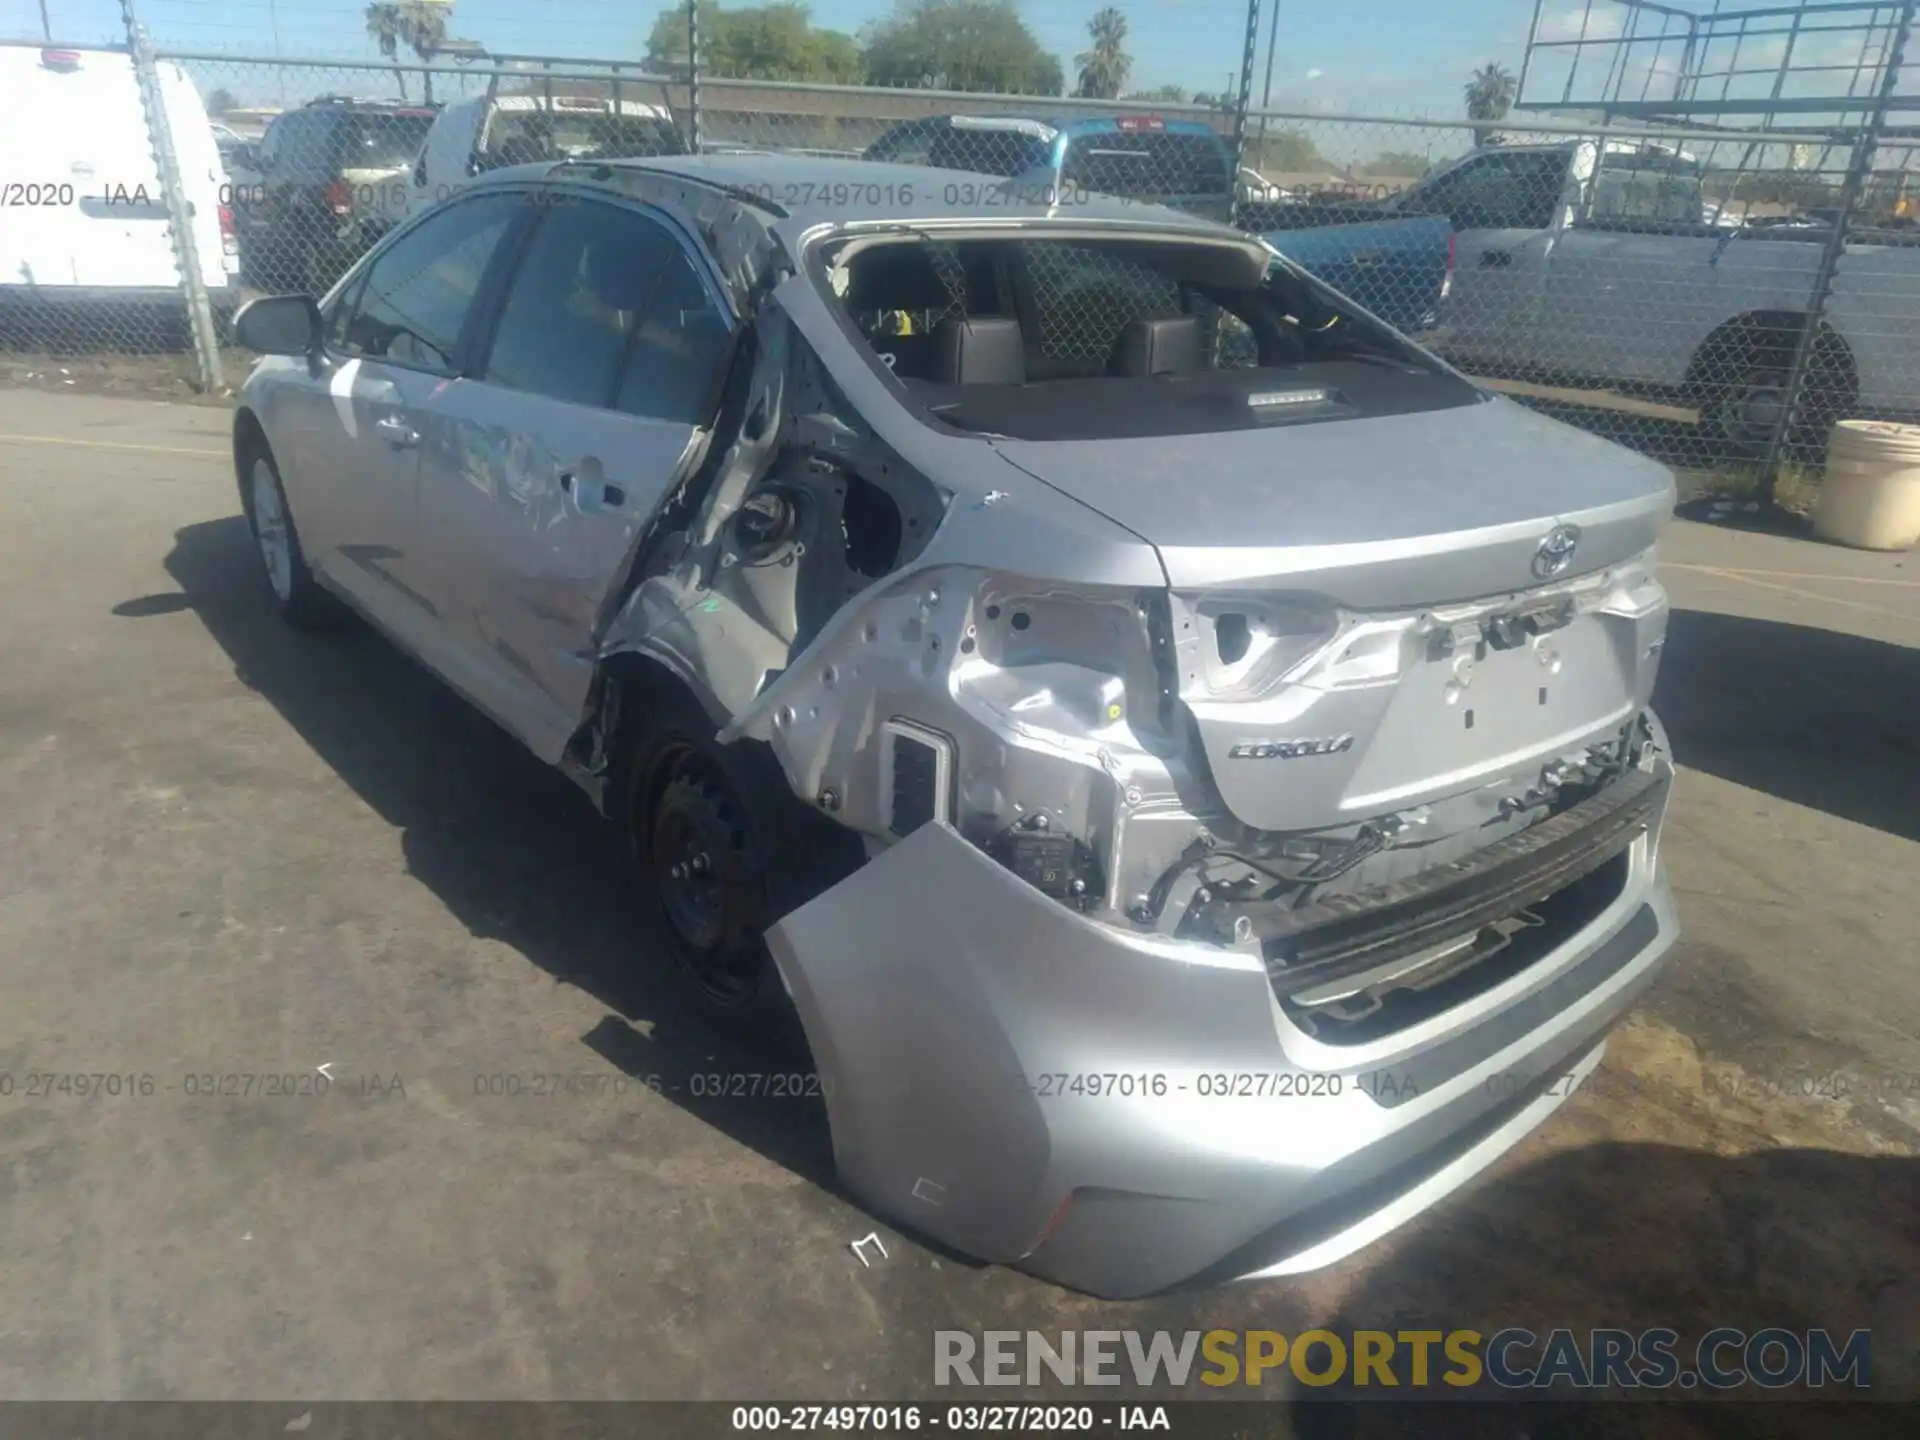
pixel 1241 107
pixel 186 255
pixel 693 75
pixel 1852 190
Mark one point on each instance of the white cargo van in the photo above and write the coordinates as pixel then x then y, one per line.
pixel 83 219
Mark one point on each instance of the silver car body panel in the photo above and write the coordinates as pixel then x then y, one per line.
pixel 1336 657
pixel 940 993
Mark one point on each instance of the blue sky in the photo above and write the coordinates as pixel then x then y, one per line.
pixel 1399 57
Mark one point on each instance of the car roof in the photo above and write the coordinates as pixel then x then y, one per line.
pixel 809 191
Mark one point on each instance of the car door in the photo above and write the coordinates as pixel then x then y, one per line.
pixel 601 373
pixel 1504 207
pixel 393 339
pixel 1634 281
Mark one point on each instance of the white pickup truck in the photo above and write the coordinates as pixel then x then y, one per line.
pixel 470 137
pixel 1604 263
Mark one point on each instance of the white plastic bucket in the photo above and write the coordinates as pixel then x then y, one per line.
pixel 1871 496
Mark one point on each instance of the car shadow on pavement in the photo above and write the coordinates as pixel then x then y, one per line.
pixel 510 846
pixel 1638 1237
pixel 1813 716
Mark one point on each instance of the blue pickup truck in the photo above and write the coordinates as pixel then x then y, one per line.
pixel 1398 267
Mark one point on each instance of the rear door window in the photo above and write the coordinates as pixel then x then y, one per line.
pixel 590 271
pixel 608 311
pixel 673 365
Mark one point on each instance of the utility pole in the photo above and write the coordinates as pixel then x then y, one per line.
pixel 693 74
pixel 1266 90
pixel 46 25
pixel 1240 104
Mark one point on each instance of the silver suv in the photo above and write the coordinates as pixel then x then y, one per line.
pixel 1177 752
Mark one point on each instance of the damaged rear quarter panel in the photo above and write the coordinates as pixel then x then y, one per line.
pixel 816 426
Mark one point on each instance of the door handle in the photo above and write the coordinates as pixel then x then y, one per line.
pixel 397 433
pixel 581 481
pixel 1495 259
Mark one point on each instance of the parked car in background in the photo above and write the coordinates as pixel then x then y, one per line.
pixel 1593 263
pixel 83 218
pixel 1198 803
pixel 471 137
pixel 1397 267
pixel 1184 164
pixel 1400 267
pixel 326 180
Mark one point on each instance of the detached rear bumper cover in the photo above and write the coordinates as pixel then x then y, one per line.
pixel 1031 1087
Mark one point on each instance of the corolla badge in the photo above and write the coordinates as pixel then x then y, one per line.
pixel 1556 551
pixel 1289 749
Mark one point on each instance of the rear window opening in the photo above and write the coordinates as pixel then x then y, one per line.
pixel 525 136
pixel 1147 164
pixel 385 142
pixel 1040 338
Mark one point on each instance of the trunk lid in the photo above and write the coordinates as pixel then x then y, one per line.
pixel 1371 614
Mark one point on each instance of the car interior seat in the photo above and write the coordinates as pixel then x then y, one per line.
pixel 979 351
pixel 1169 345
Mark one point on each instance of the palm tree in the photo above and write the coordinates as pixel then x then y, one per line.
pixel 1104 68
pixel 385 26
pixel 423 25
pixel 1489 94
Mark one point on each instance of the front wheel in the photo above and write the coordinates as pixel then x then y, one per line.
pixel 296 595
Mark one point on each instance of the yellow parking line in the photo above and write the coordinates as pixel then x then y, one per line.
pixel 1744 571
pixel 111 445
pixel 1796 591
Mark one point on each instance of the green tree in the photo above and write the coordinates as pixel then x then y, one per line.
pixel 221 102
pixel 1489 95
pixel 1104 68
pixel 420 25
pixel 960 45
pixel 777 41
pixel 424 24
pixel 383 24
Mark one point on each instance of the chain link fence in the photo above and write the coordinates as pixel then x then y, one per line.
pixel 1714 299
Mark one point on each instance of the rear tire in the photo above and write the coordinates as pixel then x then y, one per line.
pixel 701 831
pixel 1741 387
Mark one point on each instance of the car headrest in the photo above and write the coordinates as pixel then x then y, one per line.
pixel 1168 346
pixel 979 352
pixel 897 277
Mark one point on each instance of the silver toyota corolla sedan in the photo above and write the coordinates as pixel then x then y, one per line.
pixel 1178 752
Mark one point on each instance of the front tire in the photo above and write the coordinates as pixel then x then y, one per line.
pixel 296 595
